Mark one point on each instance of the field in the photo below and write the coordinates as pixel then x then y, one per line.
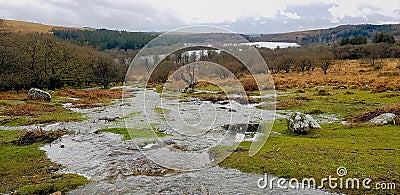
pixel 344 99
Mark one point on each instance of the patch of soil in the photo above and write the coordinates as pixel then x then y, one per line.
pixel 370 114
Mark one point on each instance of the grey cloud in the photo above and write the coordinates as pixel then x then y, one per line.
pixel 312 16
pixel 126 15
pixel 137 15
pixel 311 11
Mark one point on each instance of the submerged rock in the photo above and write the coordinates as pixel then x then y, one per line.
pixel 251 127
pixel 386 118
pixel 37 94
pixel 301 123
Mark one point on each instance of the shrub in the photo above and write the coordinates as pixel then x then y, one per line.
pixel 249 84
pixel 323 92
pixel 348 93
pixel 379 88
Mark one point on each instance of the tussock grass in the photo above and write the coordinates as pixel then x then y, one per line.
pixel 92 94
pixel 344 103
pixel 90 98
pixel 12 95
pixel 372 113
pixel 345 73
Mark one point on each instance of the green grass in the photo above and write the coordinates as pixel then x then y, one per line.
pixel 45 118
pixel 132 133
pixel 5 102
pixel 27 170
pixel 162 112
pixel 366 150
pixel 342 102
pixel 130 115
pixel 19 113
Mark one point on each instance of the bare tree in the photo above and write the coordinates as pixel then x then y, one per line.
pixel 147 65
pixel 325 63
pixel 190 80
pixel 193 56
pixel 305 64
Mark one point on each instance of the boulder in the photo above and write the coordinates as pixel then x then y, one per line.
pixel 241 128
pixel 301 123
pixel 37 94
pixel 386 118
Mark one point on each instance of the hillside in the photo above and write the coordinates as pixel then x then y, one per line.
pixel 30 27
pixel 330 35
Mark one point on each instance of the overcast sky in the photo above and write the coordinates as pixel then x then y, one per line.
pixel 244 16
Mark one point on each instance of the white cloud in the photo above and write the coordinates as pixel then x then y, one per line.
pixel 161 15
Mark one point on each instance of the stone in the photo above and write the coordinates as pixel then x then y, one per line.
pixel 241 128
pixel 301 123
pixel 37 94
pixel 386 118
pixel 56 193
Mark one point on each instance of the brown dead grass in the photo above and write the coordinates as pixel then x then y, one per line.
pixel 346 73
pixel 211 97
pixel 370 114
pixel 203 84
pixel 90 98
pixel 92 94
pixel 31 27
pixel 12 95
pixel 33 136
pixel 30 109
pixel 248 83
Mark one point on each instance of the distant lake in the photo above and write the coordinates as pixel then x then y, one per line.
pixel 272 45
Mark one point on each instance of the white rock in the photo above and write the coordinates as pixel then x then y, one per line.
pixel 37 94
pixel 386 118
pixel 301 123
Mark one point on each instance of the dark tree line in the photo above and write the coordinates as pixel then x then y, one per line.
pixel 43 61
pixel 357 40
pixel 384 38
pixel 104 39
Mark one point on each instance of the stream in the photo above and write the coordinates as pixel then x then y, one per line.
pixel 174 164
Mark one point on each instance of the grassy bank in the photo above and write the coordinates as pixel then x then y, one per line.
pixel 16 109
pixel 25 169
pixel 366 150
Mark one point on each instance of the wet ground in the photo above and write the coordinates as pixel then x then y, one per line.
pixel 176 164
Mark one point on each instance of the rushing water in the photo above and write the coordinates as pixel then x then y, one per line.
pixel 124 167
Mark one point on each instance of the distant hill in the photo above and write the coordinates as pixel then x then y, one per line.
pixel 330 35
pixel 31 27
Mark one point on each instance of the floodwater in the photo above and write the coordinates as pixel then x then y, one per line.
pixel 176 164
